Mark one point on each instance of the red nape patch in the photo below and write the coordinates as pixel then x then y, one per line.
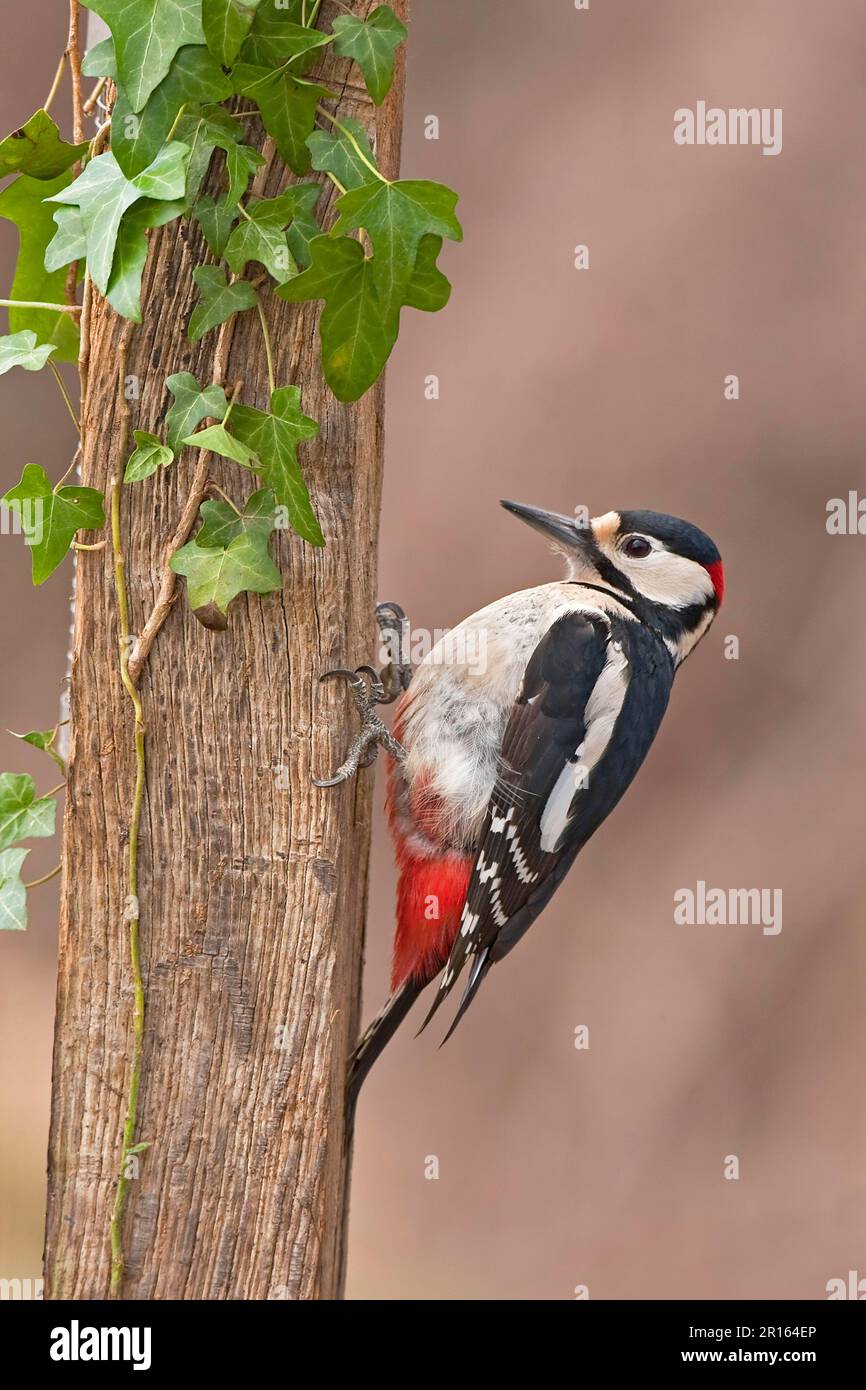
pixel 717 574
pixel 430 898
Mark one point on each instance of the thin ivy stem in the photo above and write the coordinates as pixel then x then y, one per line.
pixel 215 487
pixel 132 907
pixel 273 72
pixel 39 304
pixel 269 352
pixel 65 394
pixel 35 883
pixel 55 85
pixel 90 105
pixel 238 386
pixel 54 790
pixel 69 471
pixel 175 123
pixel 344 130
pixel 132 911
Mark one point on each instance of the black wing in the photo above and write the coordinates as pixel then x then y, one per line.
pixel 592 698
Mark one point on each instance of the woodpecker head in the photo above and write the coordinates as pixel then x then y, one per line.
pixel 665 570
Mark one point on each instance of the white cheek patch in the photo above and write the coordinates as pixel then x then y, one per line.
pixel 664 577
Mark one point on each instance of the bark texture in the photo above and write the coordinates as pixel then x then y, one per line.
pixel 252 882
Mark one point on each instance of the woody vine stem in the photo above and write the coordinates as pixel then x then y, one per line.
pixel 132 911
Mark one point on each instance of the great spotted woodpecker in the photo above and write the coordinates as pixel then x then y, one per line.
pixel 518 735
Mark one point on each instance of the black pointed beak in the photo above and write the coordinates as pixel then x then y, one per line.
pixel 563 530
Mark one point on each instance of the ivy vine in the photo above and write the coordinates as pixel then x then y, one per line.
pixel 169 81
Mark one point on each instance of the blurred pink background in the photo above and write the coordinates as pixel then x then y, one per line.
pixel 603 388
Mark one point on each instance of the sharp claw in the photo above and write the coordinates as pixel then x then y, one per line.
pixel 330 781
pixel 338 671
pixel 377 689
pixel 393 609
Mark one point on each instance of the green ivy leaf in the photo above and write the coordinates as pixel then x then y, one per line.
pixel 204 131
pixel 99 61
pixel 130 256
pixel 221 523
pixel 44 740
pixel 216 221
pixel 215 575
pixel 304 227
pixel 150 454
pixel 265 243
pixel 334 153
pixel 20 350
pixel 358 330
pixel 274 439
pixel 260 236
pixel 217 439
pixel 22 815
pixel 103 194
pixel 191 405
pixel 219 300
pixel 372 43
pixel 242 161
pixel 277 37
pixel 288 108
pixel 37 738
pixel 13 894
pixel 428 289
pixel 226 24
pixel 50 518
pixel 359 325
pixel 37 150
pixel 194 77
pixel 396 216
pixel 70 240
pixel 147 34
pixel 21 202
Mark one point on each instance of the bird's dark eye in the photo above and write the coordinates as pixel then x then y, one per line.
pixel 637 547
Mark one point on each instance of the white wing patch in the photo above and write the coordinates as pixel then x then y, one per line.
pixel 602 711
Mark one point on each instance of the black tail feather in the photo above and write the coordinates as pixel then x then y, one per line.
pixel 476 976
pixel 378 1035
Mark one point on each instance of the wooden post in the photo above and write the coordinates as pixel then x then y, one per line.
pixel 253 883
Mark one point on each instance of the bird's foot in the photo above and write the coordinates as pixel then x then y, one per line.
pixel 397 674
pixel 368 691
